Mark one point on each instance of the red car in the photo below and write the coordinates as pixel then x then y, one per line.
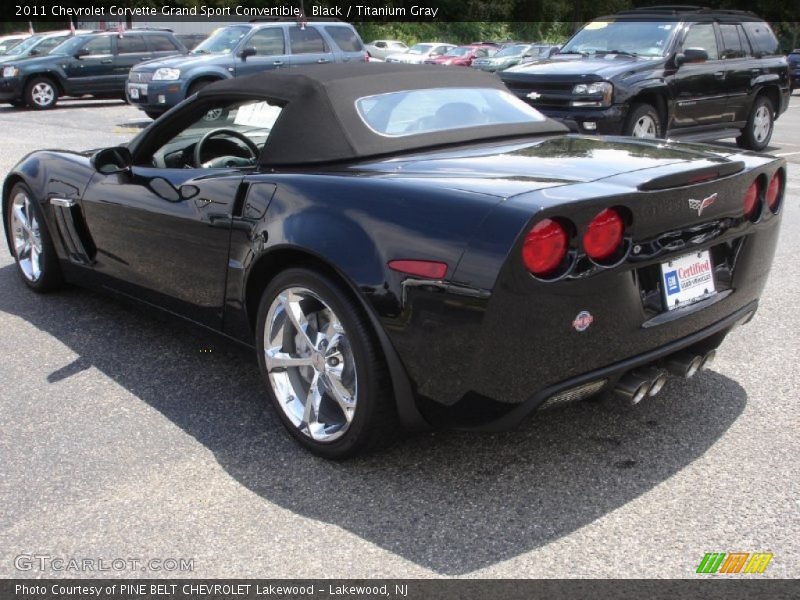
pixel 462 56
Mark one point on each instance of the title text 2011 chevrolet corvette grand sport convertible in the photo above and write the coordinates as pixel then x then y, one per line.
pixel 410 247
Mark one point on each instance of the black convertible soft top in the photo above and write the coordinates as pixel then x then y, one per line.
pixel 319 122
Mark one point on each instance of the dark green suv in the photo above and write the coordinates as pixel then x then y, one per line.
pixel 95 64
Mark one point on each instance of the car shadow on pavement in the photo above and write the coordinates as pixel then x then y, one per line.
pixel 66 105
pixel 450 502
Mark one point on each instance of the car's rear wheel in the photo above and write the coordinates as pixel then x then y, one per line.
pixel 643 122
pixel 322 364
pixel 760 124
pixel 41 93
pixel 32 246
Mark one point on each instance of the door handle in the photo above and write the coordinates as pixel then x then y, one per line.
pixel 107 61
pixel 277 63
pixel 720 74
pixel 322 61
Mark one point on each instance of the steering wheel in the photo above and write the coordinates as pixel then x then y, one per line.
pixel 198 148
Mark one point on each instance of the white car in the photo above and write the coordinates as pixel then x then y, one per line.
pixel 419 53
pixel 383 48
pixel 7 42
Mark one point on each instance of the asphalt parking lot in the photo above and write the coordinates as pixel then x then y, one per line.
pixel 125 435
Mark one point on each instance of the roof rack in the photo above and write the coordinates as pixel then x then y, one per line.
pixel 676 9
pixel 293 19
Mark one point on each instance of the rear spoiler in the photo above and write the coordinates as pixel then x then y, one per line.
pixel 692 176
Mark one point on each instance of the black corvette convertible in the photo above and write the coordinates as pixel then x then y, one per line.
pixel 410 247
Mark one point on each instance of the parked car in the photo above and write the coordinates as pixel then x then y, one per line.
pixel 688 73
pixel 39 44
pixel 462 56
pixel 419 53
pixel 191 40
pixel 409 245
pixel 241 49
pixel 512 55
pixel 540 52
pixel 794 68
pixel 7 42
pixel 383 48
pixel 96 63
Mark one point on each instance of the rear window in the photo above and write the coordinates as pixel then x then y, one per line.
pixel 345 38
pixel 412 112
pixel 131 44
pixel 762 38
pixel 161 43
pixel 306 41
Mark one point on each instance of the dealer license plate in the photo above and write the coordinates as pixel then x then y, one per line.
pixel 687 279
pixel 137 90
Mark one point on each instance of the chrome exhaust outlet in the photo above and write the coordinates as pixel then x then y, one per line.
pixel 656 377
pixel 708 359
pixel 684 364
pixel 632 388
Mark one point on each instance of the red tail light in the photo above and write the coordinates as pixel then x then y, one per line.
pixel 604 234
pixel 751 200
pixel 774 191
pixel 429 269
pixel 545 247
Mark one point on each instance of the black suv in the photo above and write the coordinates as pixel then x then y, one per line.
pixel 95 63
pixel 687 73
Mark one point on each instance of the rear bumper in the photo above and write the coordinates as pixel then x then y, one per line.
pixel 10 88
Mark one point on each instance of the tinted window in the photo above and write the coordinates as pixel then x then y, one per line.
pixel 701 36
pixel 762 38
pixel 131 44
pixel 731 43
pixel 268 42
pixel 345 38
pixel 379 44
pixel 161 43
pixel 98 45
pixel 306 41
pixel 45 46
pixel 427 110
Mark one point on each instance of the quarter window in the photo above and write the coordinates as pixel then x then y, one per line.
pixel 268 42
pixel 702 36
pixel 345 38
pixel 161 43
pixel 306 41
pixel 761 36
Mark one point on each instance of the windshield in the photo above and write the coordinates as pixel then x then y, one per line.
pixel 413 112
pixel 69 47
pixel 419 49
pixel 513 51
pixel 639 38
pixel 28 44
pixel 221 41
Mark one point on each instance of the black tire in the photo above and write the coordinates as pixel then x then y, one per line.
pixel 640 112
pixel 153 114
pixel 41 93
pixel 50 277
pixel 374 422
pixel 751 139
pixel 17 103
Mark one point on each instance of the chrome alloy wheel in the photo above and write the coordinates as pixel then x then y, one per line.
pixel 310 364
pixel 645 127
pixel 762 123
pixel 26 237
pixel 43 94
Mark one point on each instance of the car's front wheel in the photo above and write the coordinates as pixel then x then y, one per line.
pixel 760 124
pixel 643 122
pixel 41 93
pixel 153 114
pixel 32 246
pixel 323 367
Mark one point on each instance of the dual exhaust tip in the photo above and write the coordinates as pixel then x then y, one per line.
pixel 635 385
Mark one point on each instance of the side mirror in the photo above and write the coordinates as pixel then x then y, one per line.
pixel 249 51
pixel 33 52
pixel 112 160
pixel 81 53
pixel 691 55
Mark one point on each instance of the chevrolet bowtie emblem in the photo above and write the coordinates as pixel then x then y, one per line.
pixel 700 205
pixel 534 95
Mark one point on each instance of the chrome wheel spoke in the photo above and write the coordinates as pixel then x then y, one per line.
pixel 276 359
pixel 340 394
pixel 291 306
pixel 311 408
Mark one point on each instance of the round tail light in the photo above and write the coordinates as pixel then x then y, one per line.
pixel 545 247
pixel 774 191
pixel 751 200
pixel 604 234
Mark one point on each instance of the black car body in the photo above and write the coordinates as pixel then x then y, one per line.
pixel 794 68
pixel 484 268
pixel 690 74
pixel 93 64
